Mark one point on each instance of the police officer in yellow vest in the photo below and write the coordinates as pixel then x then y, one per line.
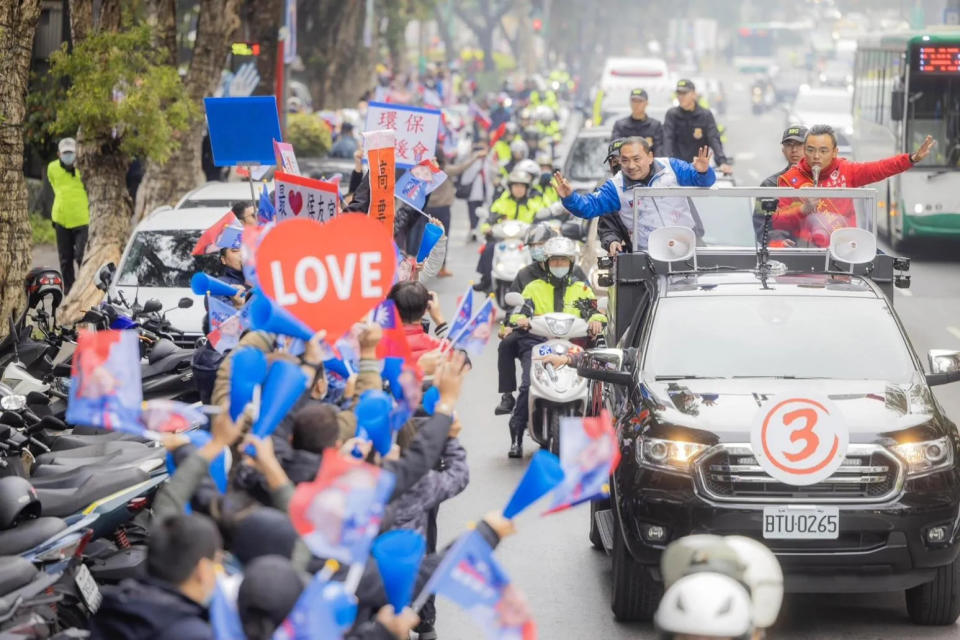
pixel 70 213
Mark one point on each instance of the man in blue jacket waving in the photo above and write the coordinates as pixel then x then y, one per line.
pixel 639 168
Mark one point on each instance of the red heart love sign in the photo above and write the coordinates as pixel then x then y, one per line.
pixel 327 274
pixel 296 202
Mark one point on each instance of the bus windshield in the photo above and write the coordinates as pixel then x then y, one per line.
pixel 935 111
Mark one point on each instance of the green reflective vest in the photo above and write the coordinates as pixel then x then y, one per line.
pixel 70 206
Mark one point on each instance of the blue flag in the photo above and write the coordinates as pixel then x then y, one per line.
pixel 470 576
pixel 227 323
pixel 265 211
pixel 224 617
pixel 105 386
pixel 462 315
pixel 476 334
pixel 324 611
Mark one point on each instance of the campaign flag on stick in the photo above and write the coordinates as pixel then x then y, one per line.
pixel 265 210
pixel 382 161
pixel 299 197
pixel 105 386
pixel 475 335
pixel 415 129
pixel 498 133
pixel 463 313
pixel 339 514
pixel 415 185
pixel 588 455
pixel 480 116
pixel 470 576
pixel 224 617
pixel 286 158
pixel 324 611
pixel 170 416
pixel 208 239
pixel 249 243
pixel 394 341
pixel 227 324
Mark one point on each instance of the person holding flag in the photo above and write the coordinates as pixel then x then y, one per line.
pixel 559 292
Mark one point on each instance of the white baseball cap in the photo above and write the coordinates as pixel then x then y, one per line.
pixel 67 144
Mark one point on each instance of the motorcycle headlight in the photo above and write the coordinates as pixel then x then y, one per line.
pixel 559 326
pixel 511 228
pixel 671 455
pixel 926 457
pixel 13 402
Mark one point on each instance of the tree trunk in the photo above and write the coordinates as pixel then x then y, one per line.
pixel 18 24
pixel 338 69
pixel 165 183
pixel 485 39
pixel 162 15
pixel 264 18
pixel 104 170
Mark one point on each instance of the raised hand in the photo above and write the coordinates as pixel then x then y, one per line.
pixel 924 149
pixel 561 185
pixel 702 162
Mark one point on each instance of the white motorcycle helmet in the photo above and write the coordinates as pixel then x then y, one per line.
pixel 528 166
pixel 710 605
pixel 560 247
pixel 763 576
pixel 519 177
pixel 701 552
pixel 519 148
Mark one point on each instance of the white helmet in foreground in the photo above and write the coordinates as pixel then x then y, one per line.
pixel 709 605
pixel 763 576
pixel 560 247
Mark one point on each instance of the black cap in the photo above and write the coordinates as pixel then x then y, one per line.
pixel 796 132
pixel 613 149
pixel 639 94
pixel 685 85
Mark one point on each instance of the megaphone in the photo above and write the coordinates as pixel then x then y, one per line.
pixel 852 245
pixel 284 385
pixel 267 315
pixel 398 554
pixel 202 284
pixel 542 476
pixel 431 235
pixel 672 244
pixel 373 420
pixel 430 398
pixel 248 368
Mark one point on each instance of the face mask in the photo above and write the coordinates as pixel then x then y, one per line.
pixel 559 272
pixel 68 158
pixel 537 254
pixel 545 178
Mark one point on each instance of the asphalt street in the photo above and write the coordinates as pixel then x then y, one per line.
pixel 551 561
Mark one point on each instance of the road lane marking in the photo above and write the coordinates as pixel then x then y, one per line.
pixel 954 331
pixel 906 292
pixel 745 155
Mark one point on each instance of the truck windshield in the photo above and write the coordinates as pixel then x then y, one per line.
pixel 777 336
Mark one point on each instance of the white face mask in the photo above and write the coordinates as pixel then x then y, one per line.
pixel 559 272
pixel 68 158
pixel 537 254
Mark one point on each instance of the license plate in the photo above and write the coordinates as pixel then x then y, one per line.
pixel 89 590
pixel 801 523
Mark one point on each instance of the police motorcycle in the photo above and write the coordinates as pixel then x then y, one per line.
pixel 554 393
pixel 510 255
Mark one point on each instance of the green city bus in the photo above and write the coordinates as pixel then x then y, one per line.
pixel 907 86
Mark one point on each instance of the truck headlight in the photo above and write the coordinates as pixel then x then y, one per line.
pixel 926 457
pixel 672 455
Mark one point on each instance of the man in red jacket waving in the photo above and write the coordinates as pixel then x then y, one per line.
pixel 820 167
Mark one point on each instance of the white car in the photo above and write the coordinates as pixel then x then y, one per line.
pixel 221 194
pixel 825 105
pixel 157 263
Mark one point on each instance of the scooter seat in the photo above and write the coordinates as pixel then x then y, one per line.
pixel 65 500
pixel 15 572
pixel 27 535
pixel 98 450
pixel 59 441
pixel 116 460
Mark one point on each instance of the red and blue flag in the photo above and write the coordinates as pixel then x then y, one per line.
pixel 475 335
pixel 589 454
pixel 105 386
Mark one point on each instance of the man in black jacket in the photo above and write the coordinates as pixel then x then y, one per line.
pixel 791 144
pixel 170 602
pixel 688 127
pixel 638 123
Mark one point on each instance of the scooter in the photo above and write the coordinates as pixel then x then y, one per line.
pixel 509 256
pixel 554 393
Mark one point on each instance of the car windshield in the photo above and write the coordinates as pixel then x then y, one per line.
pixel 162 259
pixel 206 203
pixel 586 159
pixel 813 337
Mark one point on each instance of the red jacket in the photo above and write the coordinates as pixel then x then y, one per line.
pixel 830 214
pixel 418 340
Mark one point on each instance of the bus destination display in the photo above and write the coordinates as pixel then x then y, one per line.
pixel 938 59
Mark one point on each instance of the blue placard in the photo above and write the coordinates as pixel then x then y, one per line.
pixel 242 130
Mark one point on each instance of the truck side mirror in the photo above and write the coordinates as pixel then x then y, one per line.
pixel 605 365
pixel 944 366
